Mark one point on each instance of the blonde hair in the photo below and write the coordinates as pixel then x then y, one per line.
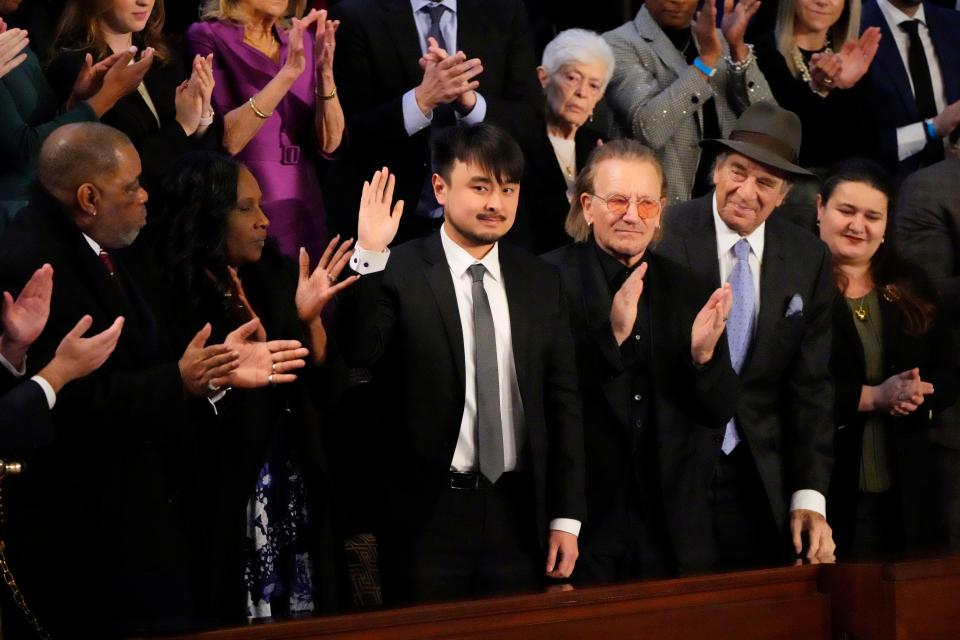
pixel 624 149
pixel 229 10
pixel 847 27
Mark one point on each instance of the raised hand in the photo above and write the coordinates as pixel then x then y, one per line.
pixel 296 60
pixel 705 33
pixel 202 82
pixel 623 311
pixel 105 82
pixel 200 365
pixel 709 324
pixel 23 319
pixel 377 223
pixel 261 363
pixel 189 106
pixel 325 44
pixel 734 25
pixel 315 290
pixel 856 56
pixel 824 70
pixel 447 79
pixel 77 356
pixel 12 44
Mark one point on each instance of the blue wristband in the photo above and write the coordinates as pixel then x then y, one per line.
pixel 704 67
pixel 931 129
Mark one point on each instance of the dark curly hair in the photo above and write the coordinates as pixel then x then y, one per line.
pixel 195 202
pixel 894 278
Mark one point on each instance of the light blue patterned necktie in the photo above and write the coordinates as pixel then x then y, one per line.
pixel 739 324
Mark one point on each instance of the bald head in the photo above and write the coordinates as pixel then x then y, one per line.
pixel 75 154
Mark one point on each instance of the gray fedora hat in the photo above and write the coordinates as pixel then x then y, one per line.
pixel 767 134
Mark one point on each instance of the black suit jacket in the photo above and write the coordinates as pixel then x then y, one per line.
pixel 927 224
pixel 688 407
pixel 911 459
pixel 543 190
pixel 376 63
pixel 24 417
pixel 890 91
pixel 786 395
pixel 101 511
pixel 409 334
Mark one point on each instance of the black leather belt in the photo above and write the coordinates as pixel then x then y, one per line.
pixel 468 481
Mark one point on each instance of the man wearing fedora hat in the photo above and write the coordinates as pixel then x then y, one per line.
pixel 774 458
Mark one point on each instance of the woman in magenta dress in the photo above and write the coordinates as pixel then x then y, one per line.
pixel 275 88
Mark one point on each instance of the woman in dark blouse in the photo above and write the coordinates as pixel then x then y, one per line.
pixel 813 63
pixel 169 113
pixel 894 366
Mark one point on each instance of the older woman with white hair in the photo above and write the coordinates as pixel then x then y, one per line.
pixel 576 67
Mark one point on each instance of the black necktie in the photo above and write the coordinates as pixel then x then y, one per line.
pixel 489 426
pixel 922 88
pixel 435 11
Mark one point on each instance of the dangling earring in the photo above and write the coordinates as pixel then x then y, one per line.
pixel 591 116
pixel 883 239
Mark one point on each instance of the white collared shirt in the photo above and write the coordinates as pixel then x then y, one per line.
pixel 809 499
pixel 912 138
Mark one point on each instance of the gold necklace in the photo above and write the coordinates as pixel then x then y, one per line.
pixel 861 311
pixel 801 64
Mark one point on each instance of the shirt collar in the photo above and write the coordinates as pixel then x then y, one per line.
pixel 727 237
pixel 420 4
pixel 93 244
pixel 459 260
pixel 894 16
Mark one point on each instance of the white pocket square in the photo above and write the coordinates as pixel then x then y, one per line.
pixel 795 307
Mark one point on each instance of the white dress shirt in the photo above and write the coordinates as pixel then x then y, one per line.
pixel 912 138
pixel 511 404
pixel 810 499
pixel 413 118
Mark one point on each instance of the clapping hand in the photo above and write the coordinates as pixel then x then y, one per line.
pixel 261 363
pixel 315 290
pixel 377 223
pixel 734 25
pixel 201 366
pixel 447 79
pixel 709 324
pixel 202 82
pixel 113 75
pixel 23 319
pixel 705 33
pixel 296 60
pixel 436 54
pixel 903 393
pixel 825 68
pixel 623 311
pixel 12 43
pixel 856 56
pixel 325 44
pixel 77 356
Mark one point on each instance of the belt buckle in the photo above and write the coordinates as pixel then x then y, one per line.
pixel 465 481
pixel 291 155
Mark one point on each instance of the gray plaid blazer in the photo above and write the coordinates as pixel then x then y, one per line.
pixel 654 93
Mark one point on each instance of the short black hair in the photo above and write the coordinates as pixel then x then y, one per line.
pixel 485 145
pixel 860 170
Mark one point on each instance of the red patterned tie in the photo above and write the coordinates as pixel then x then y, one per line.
pixel 108 264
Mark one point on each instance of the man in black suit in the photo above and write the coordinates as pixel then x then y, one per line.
pixel 395 104
pixel 914 77
pixel 927 224
pixel 776 455
pixel 470 347
pixel 25 406
pixel 655 376
pixel 104 508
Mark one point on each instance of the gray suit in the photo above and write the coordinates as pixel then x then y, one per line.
pixel 654 92
pixel 927 227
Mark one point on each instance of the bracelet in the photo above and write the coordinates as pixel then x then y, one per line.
pixel 333 93
pixel 931 129
pixel 256 110
pixel 706 69
pixel 740 67
pixel 207 120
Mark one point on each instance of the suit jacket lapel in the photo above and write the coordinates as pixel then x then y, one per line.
pixel 437 272
pixel 888 58
pixel 399 24
pixel 650 31
pixel 701 245
pixel 472 28
pixel 774 292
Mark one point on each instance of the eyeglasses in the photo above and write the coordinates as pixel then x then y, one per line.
pixel 618 205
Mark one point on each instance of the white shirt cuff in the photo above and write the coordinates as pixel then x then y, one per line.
pixel 16 373
pixel 477 114
pixel 217 397
pixel 911 140
pixel 568 525
pixel 47 390
pixel 365 261
pixel 413 118
pixel 809 499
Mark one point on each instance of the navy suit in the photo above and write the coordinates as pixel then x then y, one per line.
pixel 891 94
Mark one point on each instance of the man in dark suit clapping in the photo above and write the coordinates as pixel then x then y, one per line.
pixel 775 456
